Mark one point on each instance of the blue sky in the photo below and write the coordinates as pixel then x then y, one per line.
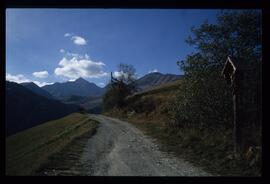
pixel 57 45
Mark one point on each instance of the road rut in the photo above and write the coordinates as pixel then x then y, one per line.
pixel 118 149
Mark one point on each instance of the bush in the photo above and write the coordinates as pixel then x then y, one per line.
pixel 204 100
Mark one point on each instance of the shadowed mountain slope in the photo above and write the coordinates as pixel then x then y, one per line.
pixel 25 109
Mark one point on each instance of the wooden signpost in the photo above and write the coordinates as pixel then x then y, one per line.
pixel 233 75
pixel 245 79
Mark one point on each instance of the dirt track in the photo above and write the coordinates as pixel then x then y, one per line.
pixel 118 149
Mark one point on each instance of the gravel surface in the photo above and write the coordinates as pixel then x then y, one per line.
pixel 117 149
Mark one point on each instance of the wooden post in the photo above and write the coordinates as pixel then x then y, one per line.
pixel 233 76
pixel 237 133
pixel 247 100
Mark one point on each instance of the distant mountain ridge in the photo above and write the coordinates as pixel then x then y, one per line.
pixel 79 87
pixel 93 104
pixel 25 109
pixel 36 89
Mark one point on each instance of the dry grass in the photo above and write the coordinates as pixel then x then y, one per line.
pixel 27 150
pixel 210 149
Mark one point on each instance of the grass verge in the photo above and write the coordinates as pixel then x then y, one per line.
pixel 209 149
pixel 27 150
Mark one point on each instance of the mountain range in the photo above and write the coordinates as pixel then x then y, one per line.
pixel 28 105
pixel 81 87
pixel 89 96
pixel 39 91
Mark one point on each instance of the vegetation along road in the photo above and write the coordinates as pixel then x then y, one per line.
pixel 117 149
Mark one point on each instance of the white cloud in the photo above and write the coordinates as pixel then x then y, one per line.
pixel 40 84
pixel 80 67
pixel 21 78
pixel 16 78
pixel 41 74
pixel 152 71
pixel 62 50
pixel 67 34
pixel 78 40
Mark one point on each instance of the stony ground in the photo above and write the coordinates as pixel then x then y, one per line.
pixel 117 149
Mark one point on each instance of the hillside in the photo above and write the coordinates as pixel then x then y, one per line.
pixel 151 104
pixel 74 99
pixel 90 104
pixel 155 79
pixel 79 87
pixel 34 88
pixel 93 103
pixel 149 111
pixel 25 109
pixel 83 88
pixel 29 149
pixel 161 89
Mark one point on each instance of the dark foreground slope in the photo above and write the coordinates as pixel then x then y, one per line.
pixel 29 149
pixel 25 109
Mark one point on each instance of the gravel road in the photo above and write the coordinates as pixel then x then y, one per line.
pixel 118 149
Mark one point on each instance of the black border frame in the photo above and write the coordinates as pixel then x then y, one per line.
pixel 233 4
pixel 140 4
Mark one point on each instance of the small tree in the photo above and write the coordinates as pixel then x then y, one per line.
pixel 126 78
pixel 122 85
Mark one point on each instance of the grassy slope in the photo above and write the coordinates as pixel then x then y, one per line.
pixel 210 149
pixel 169 87
pixel 27 150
